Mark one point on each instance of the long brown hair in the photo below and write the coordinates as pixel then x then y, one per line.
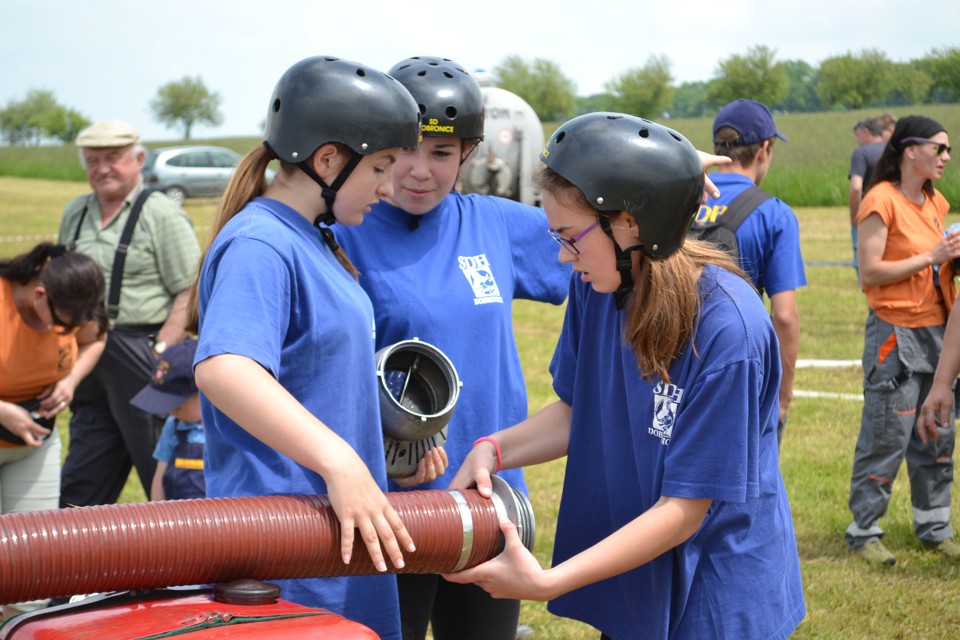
pixel 248 182
pixel 664 307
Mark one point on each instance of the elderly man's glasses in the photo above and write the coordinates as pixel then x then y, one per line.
pixel 570 244
pixel 941 147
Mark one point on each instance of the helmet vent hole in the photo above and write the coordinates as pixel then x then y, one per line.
pixel 675 136
pixel 362 73
pixel 644 133
pixel 421 73
pixel 448 74
pixel 423 109
pixel 451 112
pixel 560 137
pixel 276 105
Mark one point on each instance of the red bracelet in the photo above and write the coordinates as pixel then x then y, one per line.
pixel 496 445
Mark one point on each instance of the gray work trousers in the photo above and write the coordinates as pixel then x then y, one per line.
pixel 898 366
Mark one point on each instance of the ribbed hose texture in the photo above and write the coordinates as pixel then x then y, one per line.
pixel 64 552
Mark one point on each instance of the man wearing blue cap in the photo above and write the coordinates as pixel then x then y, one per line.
pixel 768 238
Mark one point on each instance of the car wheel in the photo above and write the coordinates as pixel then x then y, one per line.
pixel 177 194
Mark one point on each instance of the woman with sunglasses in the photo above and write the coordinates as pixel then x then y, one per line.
pixel 906 272
pixel 52 331
pixel 674 520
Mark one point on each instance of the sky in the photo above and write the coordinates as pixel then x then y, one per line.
pixel 107 58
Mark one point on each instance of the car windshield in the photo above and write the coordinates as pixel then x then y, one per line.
pixel 150 160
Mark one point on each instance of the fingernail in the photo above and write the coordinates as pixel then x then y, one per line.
pixel 399 564
pixel 381 566
pixel 346 558
pixel 411 547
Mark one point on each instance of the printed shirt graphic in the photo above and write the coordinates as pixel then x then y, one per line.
pixel 435 282
pixel 477 271
pixel 666 399
pixel 710 433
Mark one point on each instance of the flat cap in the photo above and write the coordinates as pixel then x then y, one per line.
pixel 108 133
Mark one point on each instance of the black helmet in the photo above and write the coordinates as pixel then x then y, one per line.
pixel 625 163
pixel 449 98
pixel 325 99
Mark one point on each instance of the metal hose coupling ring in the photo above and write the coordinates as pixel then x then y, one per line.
pixel 418 390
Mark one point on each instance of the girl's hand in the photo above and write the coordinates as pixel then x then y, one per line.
pixel 432 465
pixel 476 469
pixel 361 506
pixel 514 574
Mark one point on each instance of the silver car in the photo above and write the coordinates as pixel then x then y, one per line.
pixel 189 172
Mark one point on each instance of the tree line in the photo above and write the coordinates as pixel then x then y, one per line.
pixel 866 79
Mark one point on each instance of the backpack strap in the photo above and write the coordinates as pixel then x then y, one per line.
pixel 742 206
pixel 120 257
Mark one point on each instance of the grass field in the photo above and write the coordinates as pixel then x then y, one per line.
pixel 808 171
pixel 846 599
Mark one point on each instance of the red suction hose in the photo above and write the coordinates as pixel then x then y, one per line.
pixel 63 552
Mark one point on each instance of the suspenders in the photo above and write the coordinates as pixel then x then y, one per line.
pixel 116 274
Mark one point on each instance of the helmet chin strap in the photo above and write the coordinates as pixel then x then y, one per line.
pixel 624 263
pixel 329 194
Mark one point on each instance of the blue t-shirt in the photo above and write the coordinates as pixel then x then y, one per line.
pixel 451 282
pixel 769 238
pixel 271 290
pixel 710 433
pixel 167 441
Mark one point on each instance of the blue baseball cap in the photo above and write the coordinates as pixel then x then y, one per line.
pixel 751 119
pixel 172 383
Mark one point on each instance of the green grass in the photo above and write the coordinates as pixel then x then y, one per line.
pixel 917 598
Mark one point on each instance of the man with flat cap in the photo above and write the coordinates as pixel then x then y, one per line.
pixel 767 236
pixel 148 250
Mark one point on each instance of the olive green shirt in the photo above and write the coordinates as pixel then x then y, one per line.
pixel 162 259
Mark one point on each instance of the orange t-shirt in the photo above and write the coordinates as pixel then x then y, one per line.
pixel 30 360
pixel 911 229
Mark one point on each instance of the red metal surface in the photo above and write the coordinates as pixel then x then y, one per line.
pixel 184 542
pixel 192 617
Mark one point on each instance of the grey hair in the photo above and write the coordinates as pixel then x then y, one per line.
pixel 135 149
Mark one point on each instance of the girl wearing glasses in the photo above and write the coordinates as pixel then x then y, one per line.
pixel 446 267
pixel 906 272
pixel 52 331
pixel 285 360
pixel 674 521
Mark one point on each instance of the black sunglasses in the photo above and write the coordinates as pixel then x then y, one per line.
pixel 941 146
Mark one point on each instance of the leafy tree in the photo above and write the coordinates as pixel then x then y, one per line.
pixel 184 103
pixel 39 117
pixel 943 67
pixel 909 84
pixel 63 124
pixel 754 75
pixel 645 91
pixel 802 95
pixel 854 82
pixel 542 84
pixel 596 102
pixel 690 100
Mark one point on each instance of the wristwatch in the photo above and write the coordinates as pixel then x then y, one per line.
pixel 159 346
